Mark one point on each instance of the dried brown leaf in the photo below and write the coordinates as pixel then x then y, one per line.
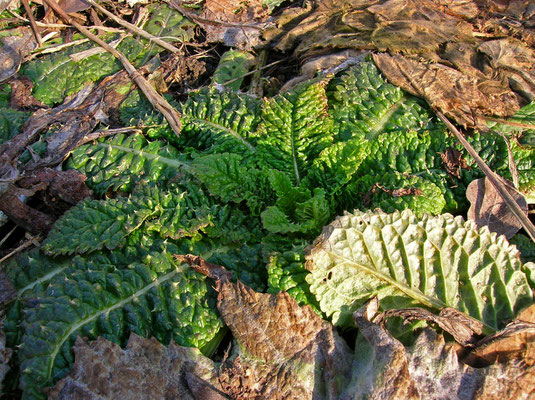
pixel 236 23
pixel 446 89
pixel 487 207
pixel 21 94
pixel 145 369
pixel 286 351
pixel 463 328
pixel 430 369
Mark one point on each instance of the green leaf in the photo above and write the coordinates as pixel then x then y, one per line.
pixel 287 272
pixel 137 111
pixel 435 261
pixel 394 191
pixel 336 165
pixel 364 105
pixel 295 129
pixel 11 123
pixel 94 225
pixel 120 161
pixel 57 75
pixel 231 179
pixel 150 297
pixel 233 65
pixel 219 122
pixel 307 217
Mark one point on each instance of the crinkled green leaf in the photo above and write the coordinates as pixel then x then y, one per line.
pixel 306 217
pixel 57 75
pixel 434 261
pixel 364 105
pixel 94 225
pixel 395 191
pixel 525 246
pixel 11 122
pixel 295 129
pixel 233 65
pixel 137 111
pixel 336 165
pixel 287 272
pixel 120 161
pixel 230 179
pixel 525 164
pixel 219 122
pixel 153 296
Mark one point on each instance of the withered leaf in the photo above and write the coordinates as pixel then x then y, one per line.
pixel 487 207
pixel 145 369
pixel 515 342
pixel 430 369
pixel 236 23
pixel 463 328
pixel 453 162
pixel 285 351
pixel 457 95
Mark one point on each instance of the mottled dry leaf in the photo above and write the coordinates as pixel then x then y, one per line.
pixel 463 328
pixel 453 161
pixel 5 356
pixel 285 351
pixel 446 89
pixel 515 60
pixel 145 369
pixel 236 23
pixel 487 207
pixel 383 369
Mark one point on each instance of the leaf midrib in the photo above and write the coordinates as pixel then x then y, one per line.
pixel 156 282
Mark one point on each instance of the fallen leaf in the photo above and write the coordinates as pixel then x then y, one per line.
pixel 463 328
pixel 430 369
pixel 72 6
pixel 145 369
pixel 515 342
pixel 21 94
pixel 284 350
pixel 235 23
pixel 457 95
pixel 453 162
pixel 487 207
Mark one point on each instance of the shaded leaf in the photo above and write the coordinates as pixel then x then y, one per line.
pixel 144 369
pixel 384 369
pixel 5 357
pixel 489 209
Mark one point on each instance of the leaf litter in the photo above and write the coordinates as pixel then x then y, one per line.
pixel 281 349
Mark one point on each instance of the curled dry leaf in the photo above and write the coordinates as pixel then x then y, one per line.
pixel 463 328
pixel 487 207
pixel 430 369
pixel 145 369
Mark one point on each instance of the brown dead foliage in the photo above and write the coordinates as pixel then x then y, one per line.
pixel 468 59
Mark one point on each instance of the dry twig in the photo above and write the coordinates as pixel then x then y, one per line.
pixel 493 178
pixel 171 115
